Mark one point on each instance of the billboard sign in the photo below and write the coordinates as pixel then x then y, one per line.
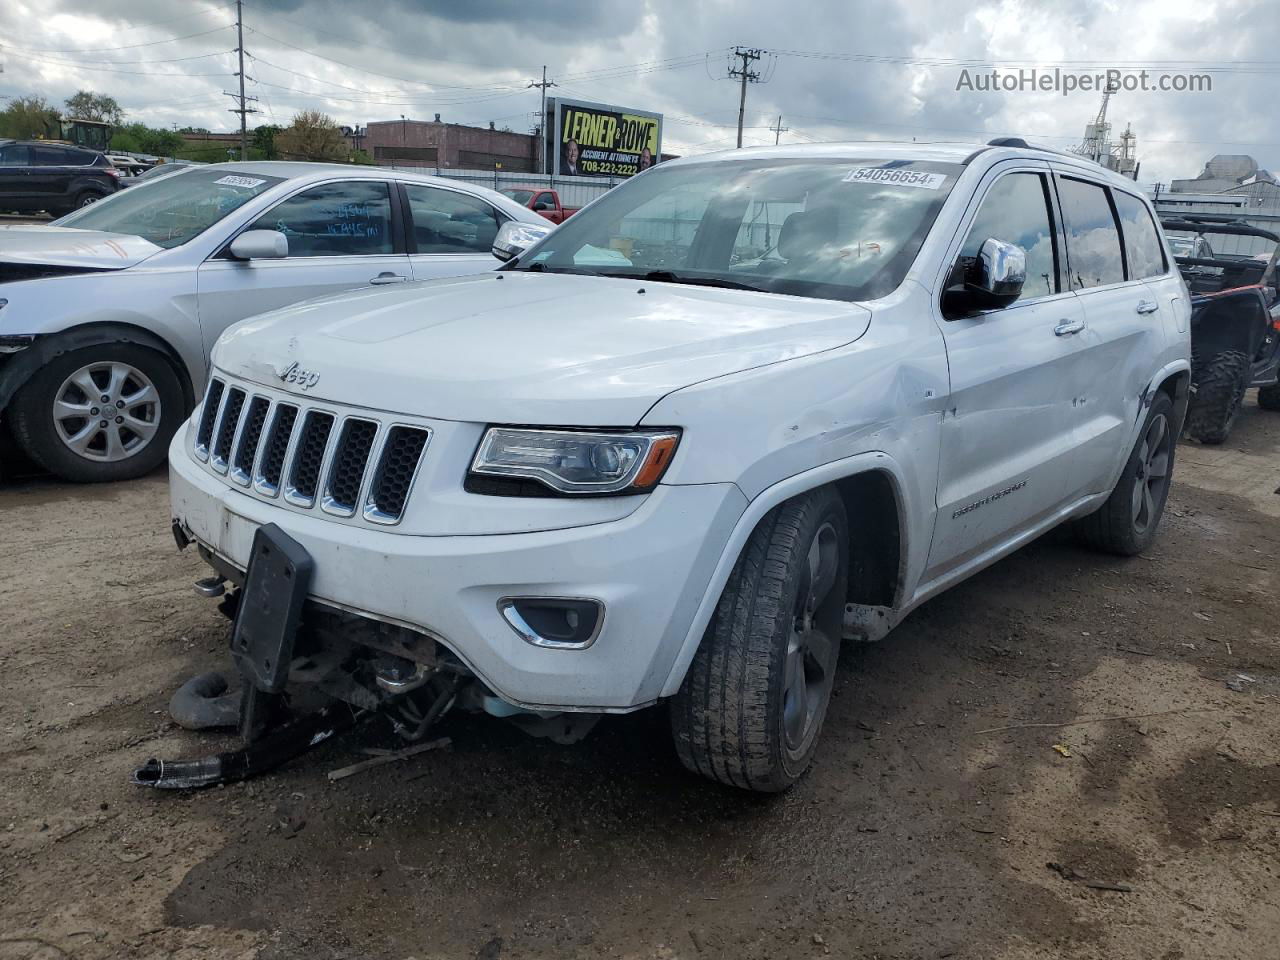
pixel 597 140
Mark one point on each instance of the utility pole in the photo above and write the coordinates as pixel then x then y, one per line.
pixel 746 75
pixel 244 109
pixel 778 130
pixel 542 113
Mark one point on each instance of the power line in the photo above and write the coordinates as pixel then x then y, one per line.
pixel 243 109
pixel 129 46
pixel 778 130
pixel 542 113
pixel 746 74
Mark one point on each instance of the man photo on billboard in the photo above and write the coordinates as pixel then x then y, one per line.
pixel 569 161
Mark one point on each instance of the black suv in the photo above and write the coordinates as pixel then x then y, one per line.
pixel 59 178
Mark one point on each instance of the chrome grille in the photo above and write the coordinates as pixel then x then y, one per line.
pixel 349 462
pixel 396 469
pixel 354 466
pixel 271 469
pixel 308 458
pixel 225 431
pixel 247 447
pixel 209 413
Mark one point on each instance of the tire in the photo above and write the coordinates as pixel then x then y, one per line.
pixel 1269 397
pixel 1126 524
pixel 753 702
pixel 1220 385
pixel 78 447
pixel 84 198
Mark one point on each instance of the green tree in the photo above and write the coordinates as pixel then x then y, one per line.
pixel 87 105
pixel 264 141
pixel 139 138
pixel 28 117
pixel 312 136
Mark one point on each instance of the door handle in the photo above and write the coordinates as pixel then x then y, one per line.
pixel 387 277
pixel 1067 327
pixel 1148 306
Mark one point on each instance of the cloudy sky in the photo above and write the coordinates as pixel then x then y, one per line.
pixel 836 69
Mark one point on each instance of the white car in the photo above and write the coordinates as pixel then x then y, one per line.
pixel 739 409
pixel 107 316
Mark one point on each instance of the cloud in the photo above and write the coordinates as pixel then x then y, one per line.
pixel 472 63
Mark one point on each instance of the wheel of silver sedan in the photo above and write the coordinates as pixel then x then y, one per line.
pixel 107 411
pixel 809 660
pixel 1153 472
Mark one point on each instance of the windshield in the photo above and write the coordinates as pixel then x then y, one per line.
pixel 1182 246
pixel 837 229
pixel 161 170
pixel 521 197
pixel 171 210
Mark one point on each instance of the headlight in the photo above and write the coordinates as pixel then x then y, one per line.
pixel 582 462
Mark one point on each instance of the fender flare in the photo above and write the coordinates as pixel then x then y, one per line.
pixel 23 366
pixel 766 500
pixel 1181 398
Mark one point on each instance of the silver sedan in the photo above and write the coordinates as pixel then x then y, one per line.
pixel 108 315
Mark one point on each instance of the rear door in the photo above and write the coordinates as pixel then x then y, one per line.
pixel 342 235
pixel 1007 443
pixel 51 172
pixel 450 233
pixel 1121 332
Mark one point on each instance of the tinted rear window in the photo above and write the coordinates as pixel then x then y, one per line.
pixel 1141 242
pixel 1093 242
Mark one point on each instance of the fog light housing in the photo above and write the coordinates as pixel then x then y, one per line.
pixel 564 623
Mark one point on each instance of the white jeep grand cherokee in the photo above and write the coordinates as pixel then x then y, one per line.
pixel 739 409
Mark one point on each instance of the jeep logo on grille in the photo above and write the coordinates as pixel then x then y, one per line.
pixel 305 379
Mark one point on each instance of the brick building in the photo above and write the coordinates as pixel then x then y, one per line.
pixel 433 143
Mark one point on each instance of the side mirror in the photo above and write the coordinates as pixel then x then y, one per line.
pixel 260 245
pixel 541 205
pixel 514 238
pixel 996 276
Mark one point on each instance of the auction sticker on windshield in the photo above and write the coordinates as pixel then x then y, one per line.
pixel 232 181
pixel 896 177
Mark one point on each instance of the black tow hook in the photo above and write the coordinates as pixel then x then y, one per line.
pixel 279 746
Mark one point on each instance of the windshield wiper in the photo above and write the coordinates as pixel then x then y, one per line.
pixel 667 276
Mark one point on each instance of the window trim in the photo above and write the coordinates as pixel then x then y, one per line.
pixel 223 251
pixel 1056 225
pixel 1115 219
pixel 410 236
pixel 1146 208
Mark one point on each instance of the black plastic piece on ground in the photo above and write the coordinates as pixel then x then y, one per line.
pixel 203 703
pixel 278 747
pixel 270 608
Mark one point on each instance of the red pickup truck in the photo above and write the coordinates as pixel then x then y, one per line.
pixel 544 202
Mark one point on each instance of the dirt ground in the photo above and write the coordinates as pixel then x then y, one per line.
pixel 924 831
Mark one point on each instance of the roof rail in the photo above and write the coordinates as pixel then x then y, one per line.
pixel 1010 142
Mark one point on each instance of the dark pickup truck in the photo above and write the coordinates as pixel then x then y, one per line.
pixel 544 202
pixel 56 177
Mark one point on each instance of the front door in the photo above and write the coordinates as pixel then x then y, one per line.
pixel 15 174
pixel 450 232
pixel 1007 431
pixel 342 236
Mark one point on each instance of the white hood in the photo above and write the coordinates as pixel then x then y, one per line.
pixel 68 247
pixel 530 348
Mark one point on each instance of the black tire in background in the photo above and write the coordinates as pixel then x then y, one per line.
pixel 33 419
pixel 84 198
pixel 1123 525
pixel 1269 397
pixel 743 715
pixel 1219 385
